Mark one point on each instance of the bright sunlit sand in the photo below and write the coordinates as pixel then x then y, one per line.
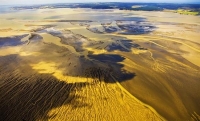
pixel 111 65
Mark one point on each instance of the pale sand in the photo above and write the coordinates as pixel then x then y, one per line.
pixel 55 40
pixel 167 71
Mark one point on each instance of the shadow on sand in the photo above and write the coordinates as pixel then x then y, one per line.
pixel 114 68
pixel 26 95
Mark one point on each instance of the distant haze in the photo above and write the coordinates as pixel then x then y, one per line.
pixel 11 2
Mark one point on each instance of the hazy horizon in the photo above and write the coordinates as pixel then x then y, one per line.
pixel 25 2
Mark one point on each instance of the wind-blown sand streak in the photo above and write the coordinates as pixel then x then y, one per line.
pixel 75 64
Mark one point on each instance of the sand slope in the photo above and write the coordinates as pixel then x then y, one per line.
pixel 87 65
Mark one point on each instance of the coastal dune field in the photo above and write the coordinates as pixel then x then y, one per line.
pixel 85 64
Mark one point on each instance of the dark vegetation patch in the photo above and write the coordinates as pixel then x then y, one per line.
pixel 120 6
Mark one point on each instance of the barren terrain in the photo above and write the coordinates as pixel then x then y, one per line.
pixel 84 64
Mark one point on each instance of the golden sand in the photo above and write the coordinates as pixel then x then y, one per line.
pixel 9 50
pixel 166 65
pixel 51 68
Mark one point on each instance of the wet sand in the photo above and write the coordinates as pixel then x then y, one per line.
pixel 86 65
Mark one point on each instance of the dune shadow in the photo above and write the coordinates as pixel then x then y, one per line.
pixel 26 95
pixel 114 68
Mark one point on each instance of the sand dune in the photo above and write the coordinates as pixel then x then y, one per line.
pixel 84 65
pixel 43 91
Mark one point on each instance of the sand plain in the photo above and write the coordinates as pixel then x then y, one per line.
pixel 83 64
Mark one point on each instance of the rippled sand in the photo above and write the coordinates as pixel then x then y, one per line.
pixel 82 64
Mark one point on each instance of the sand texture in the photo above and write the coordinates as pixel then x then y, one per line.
pixel 95 65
